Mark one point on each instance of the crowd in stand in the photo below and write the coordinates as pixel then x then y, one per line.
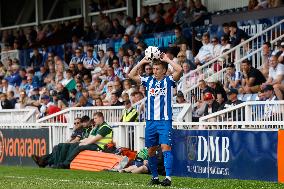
pixel 86 77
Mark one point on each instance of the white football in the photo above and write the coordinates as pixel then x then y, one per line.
pixel 152 53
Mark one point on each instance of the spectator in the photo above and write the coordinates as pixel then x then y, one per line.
pixel 62 92
pixel 274 3
pixel 189 56
pixel 45 103
pixel 226 29
pixel 127 87
pixel 199 14
pixel 269 93
pixel 211 104
pixel 252 4
pixel 14 79
pixel 77 133
pixel 220 99
pixel 252 78
pixel 117 30
pixel 114 100
pixel 153 15
pixel 78 56
pixel 180 98
pixel 139 30
pixel 180 39
pixel 215 87
pixel 149 25
pixel 82 70
pixel 129 113
pixel 205 52
pixel 233 101
pixel 225 43
pixel 216 47
pixel 12 99
pixel 127 44
pixel 233 78
pixel 148 70
pixel 5 103
pixel 36 60
pixel 89 61
pixel 96 34
pixel 130 27
pixel 262 4
pixel 276 77
pixel 236 34
pixel 266 54
pixel 180 14
pixel 69 82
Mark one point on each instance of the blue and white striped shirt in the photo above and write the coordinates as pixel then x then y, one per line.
pixel 159 97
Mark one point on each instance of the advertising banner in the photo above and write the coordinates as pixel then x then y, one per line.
pixel 17 145
pixel 226 154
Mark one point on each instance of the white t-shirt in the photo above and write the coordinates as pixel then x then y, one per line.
pixel 274 73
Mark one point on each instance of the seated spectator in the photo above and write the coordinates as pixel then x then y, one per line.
pixel 276 77
pixel 180 15
pixel 89 61
pixel 211 105
pixel 98 102
pixel 36 60
pixel 139 30
pixel 269 93
pixel 216 47
pixel 205 53
pixel 78 57
pixel 130 27
pixel 127 87
pixel 114 100
pixel 252 78
pixel 189 56
pixel 270 111
pixel 14 79
pixel 233 78
pixel 180 39
pixel 149 25
pixel 11 98
pixel 252 4
pixel 236 34
pixel 5 103
pixel 82 70
pixel 262 4
pixel 69 82
pixel 215 87
pixel 274 3
pixel 180 98
pixel 117 29
pixel 127 44
pixel 6 87
pixel 233 101
pixel 225 43
pixel 281 57
pixel 62 91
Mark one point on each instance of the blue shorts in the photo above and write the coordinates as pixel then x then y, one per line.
pixel 158 132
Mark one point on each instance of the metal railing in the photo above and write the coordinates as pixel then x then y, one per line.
pixel 256 111
pixel 246 50
pixel 18 116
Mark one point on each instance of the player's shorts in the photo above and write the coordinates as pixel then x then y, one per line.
pixel 158 132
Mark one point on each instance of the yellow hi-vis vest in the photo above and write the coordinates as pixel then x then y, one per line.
pixel 131 116
pixel 105 140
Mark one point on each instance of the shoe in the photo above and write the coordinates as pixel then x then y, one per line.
pixel 62 166
pixel 166 182
pixel 154 181
pixel 38 160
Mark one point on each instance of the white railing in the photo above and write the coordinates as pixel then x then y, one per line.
pixel 18 116
pixel 253 29
pixel 255 57
pixel 189 82
pixel 256 111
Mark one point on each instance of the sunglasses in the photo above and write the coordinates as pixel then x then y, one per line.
pixel 77 123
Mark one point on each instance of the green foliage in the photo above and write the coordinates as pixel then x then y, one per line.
pixel 29 177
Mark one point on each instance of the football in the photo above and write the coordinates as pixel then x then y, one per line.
pixel 152 53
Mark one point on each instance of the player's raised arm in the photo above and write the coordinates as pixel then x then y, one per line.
pixel 177 68
pixel 134 72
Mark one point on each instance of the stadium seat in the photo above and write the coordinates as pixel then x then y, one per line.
pixel 95 161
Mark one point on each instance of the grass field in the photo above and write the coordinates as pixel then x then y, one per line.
pixel 28 177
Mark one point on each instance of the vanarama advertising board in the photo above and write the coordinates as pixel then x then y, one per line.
pixel 232 154
pixel 17 145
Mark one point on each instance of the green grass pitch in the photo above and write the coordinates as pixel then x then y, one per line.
pixel 29 177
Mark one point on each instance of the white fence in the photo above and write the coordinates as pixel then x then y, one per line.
pixel 256 111
pixel 18 116
pixel 215 5
pixel 189 83
pixel 181 112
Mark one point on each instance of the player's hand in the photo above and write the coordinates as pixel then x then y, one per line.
pixel 164 58
pixel 144 61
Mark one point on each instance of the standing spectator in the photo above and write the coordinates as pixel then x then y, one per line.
pixel 199 14
pixel 36 60
pixel 252 78
pixel 266 55
pixel 180 14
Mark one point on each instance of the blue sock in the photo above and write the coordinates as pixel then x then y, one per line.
pixel 153 165
pixel 168 162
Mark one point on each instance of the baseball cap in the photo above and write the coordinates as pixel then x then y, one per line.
pixel 208 96
pixel 232 91
pixel 268 88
